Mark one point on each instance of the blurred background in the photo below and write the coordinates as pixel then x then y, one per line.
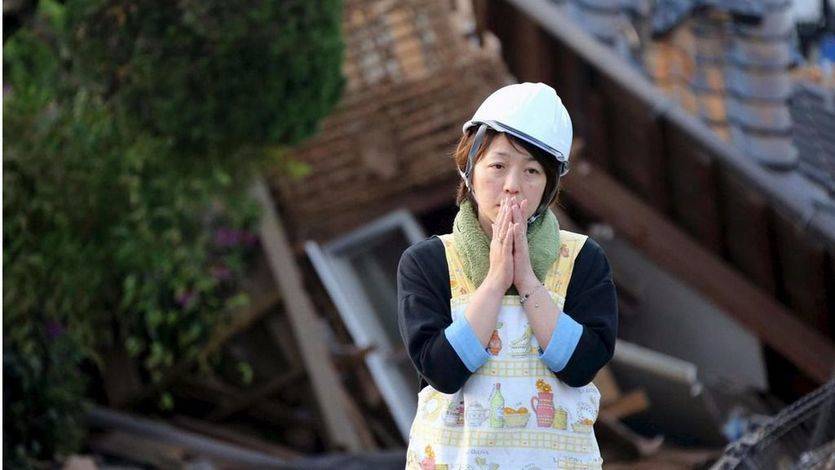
pixel 204 204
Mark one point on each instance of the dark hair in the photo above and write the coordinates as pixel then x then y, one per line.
pixel 552 168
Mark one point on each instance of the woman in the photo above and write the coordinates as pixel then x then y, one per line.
pixel 508 318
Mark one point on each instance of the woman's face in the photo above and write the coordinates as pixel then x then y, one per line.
pixel 504 171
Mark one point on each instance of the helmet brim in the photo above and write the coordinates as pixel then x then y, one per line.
pixel 495 125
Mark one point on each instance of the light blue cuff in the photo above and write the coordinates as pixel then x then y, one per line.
pixel 464 341
pixel 564 340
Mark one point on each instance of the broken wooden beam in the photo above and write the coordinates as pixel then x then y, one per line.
pixel 139 449
pixel 659 239
pixel 233 436
pixel 629 404
pixel 307 326
pixel 173 438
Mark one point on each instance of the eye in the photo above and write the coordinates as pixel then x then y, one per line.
pixel 497 166
pixel 534 171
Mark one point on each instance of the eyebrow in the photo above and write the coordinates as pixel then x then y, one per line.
pixel 505 154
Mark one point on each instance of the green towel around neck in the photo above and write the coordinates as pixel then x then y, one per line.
pixel 473 244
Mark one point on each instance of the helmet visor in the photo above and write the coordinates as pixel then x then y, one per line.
pixel 531 140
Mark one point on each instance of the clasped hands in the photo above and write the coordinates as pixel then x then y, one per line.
pixel 510 261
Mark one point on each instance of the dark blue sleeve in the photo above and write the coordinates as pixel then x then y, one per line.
pixel 591 301
pixel 423 315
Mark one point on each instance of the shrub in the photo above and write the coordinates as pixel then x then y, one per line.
pixel 127 152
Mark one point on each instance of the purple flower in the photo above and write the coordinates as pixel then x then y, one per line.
pixel 187 299
pixel 221 272
pixel 226 237
pixel 54 329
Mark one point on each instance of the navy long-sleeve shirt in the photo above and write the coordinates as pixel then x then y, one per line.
pixel 425 320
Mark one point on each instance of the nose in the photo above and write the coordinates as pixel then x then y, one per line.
pixel 512 183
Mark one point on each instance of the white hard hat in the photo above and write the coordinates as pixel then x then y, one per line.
pixel 532 112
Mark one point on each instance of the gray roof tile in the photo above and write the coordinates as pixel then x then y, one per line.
pixel 814 133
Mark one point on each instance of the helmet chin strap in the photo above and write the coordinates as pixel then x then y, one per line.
pixel 545 203
pixel 467 174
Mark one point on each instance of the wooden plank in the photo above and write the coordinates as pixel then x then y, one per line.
pixel 748 235
pixel 626 405
pixel 598 148
pixel 803 275
pixel 226 433
pixel 79 462
pixel 637 147
pixel 139 449
pixel 593 191
pixel 170 440
pixel 572 83
pixel 328 389
pixel 500 17
pixel 693 187
pixel 534 65
pixel 606 384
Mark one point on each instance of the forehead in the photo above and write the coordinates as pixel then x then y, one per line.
pixel 502 147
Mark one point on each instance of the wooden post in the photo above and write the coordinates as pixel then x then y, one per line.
pixel 307 327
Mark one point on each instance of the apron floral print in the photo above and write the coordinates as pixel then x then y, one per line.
pixel 512 413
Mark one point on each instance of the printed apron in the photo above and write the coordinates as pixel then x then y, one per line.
pixel 512 413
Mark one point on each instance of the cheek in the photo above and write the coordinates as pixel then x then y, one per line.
pixel 534 193
pixel 486 187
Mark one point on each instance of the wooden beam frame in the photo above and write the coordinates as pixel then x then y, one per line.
pixel 595 192
pixel 308 328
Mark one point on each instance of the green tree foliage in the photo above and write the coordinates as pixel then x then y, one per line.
pixel 131 132
pixel 213 73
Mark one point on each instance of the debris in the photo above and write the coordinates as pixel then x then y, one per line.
pixel 80 462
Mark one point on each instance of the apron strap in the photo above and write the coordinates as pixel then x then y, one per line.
pixel 459 283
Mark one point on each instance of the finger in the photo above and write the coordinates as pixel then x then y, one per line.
pixel 502 221
pixel 508 221
pixel 498 222
pixel 505 214
pixel 519 233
